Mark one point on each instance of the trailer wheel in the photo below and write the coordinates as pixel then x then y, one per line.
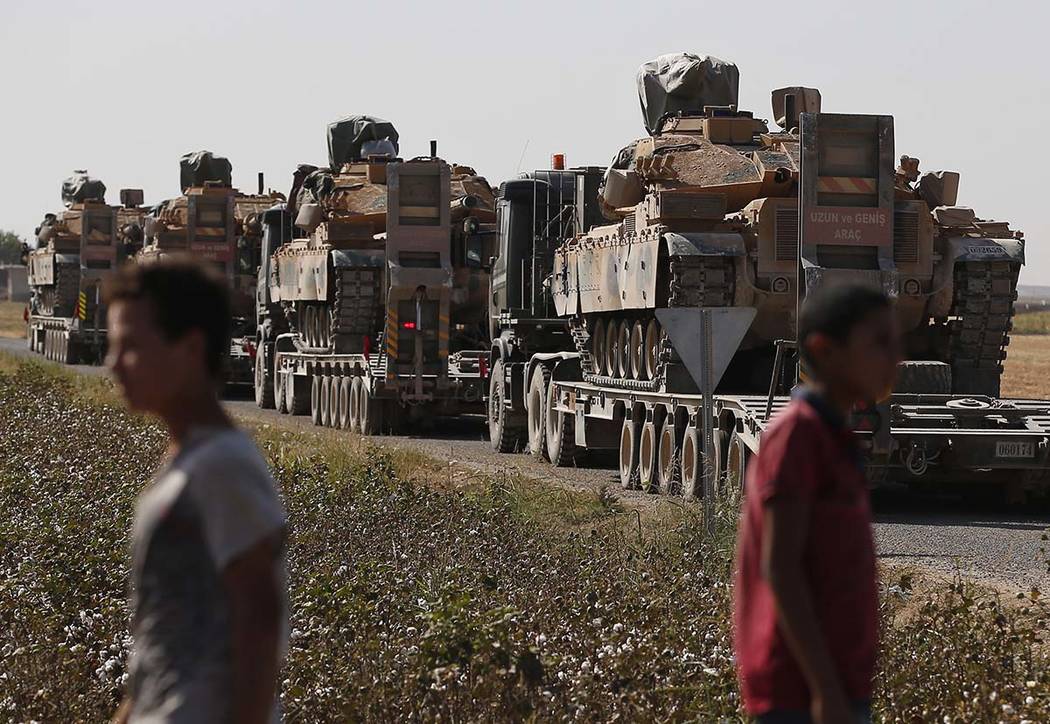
pixel 561 433
pixel 694 462
pixel 504 430
pixel 280 395
pixel 315 398
pixel 736 464
pixel 668 452
pixel 355 404
pixel 299 397
pixel 541 379
pixel 326 401
pixel 629 437
pixel 648 444
pixel 342 403
pixel 370 411
pixel 263 381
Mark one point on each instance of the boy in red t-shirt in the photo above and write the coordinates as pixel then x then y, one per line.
pixel 805 608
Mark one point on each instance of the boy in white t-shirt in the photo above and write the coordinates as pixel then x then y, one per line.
pixel 208 600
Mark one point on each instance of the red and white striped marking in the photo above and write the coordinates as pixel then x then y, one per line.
pixel 847 185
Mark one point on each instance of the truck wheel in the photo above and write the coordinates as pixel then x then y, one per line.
pixel 668 465
pixel 629 437
pixel 298 394
pixel 541 378
pixel 264 392
pixel 561 433
pixel 315 398
pixel 647 448
pixel 736 465
pixel 504 430
pixel 355 404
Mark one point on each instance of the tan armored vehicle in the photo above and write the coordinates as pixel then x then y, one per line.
pixel 77 249
pixel 705 213
pixel 215 222
pixel 388 261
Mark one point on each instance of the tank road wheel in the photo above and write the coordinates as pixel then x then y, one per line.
pixel 651 355
pixel 504 430
pixel 694 462
pixel 612 334
pixel 341 402
pixel 628 462
pixel 315 398
pixel 623 349
pixel 598 347
pixel 668 465
pixel 369 408
pixel 736 464
pixel 636 357
pixel 541 379
pixel 264 392
pixel 561 433
pixel 647 463
pixel 307 324
pixel 68 346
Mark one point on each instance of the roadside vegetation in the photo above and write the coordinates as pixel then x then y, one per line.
pixel 12 321
pixel 1032 323
pixel 419 595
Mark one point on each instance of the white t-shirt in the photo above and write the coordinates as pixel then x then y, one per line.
pixel 212 502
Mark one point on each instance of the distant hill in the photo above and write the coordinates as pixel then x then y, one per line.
pixel 1033 292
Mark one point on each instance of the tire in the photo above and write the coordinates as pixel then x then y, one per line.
pixel 505 432
pixel 264 392
pixel 370 408
pixel 924 378
pixel 343 403
pixel 561 433
pixel 668 465
pixel 737 458
pixel 298 395
pixel 647 448
pixel 693 462
pixel 315 398
pixel 280 395
pixel 537 413
pixel 355 405
pixel 326 401
pixel 630 433
pixel 598 346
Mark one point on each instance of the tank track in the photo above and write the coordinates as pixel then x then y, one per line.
pixel 694 281
pixel 982 309
pixel 60 299
pixel 357 309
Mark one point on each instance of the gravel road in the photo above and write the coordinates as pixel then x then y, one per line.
pixel 942 533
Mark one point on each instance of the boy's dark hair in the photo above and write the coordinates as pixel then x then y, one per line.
pixel 835 310
pixel 185 295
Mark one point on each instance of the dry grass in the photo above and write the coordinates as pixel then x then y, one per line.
pixel 1027 367
pixel 1032 323
pixel 11 322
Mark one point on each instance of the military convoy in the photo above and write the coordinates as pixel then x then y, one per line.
pixel 371 294
pixel 646 308
pixel 76 250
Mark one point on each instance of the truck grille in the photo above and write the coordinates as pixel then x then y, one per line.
pixel 786 233
pixel 906 236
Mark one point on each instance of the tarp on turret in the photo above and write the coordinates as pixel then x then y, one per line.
pixel 200 167
pixel 685 82
pixel 80 187
pixel 347 136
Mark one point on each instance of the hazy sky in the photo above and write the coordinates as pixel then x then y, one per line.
pixel 124 88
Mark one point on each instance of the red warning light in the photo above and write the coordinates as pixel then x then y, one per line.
pixel 408 325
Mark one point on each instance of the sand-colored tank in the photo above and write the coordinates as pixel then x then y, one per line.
pixel 704 212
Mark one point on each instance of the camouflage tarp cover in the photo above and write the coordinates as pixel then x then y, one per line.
pixel 80 187
pixel 195 169
pixel 685 82
pixel 347 135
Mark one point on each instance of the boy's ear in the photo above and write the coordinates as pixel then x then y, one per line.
pixel 817 345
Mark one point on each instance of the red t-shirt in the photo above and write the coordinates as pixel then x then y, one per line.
pixel 806 454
